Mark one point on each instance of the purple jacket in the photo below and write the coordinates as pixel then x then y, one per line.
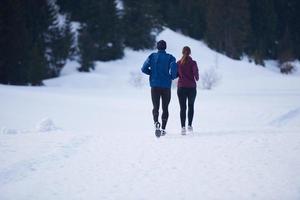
pixel 188 73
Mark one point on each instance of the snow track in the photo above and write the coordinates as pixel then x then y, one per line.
pixel 292 117
pixel 210 166
pixel 58 152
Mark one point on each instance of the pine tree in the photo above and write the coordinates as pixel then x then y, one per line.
pixel 39 16
pixel 190 17
pixel 196 12
pixel 13 42
pixel 59 44
pixel 228 26
pixel 140 24
pixel 2 43
pixel 170 13
pixel 262 44
pixel 87 50
pixel 295 28
pixel 37 65
pixel 100 34
pixel 78 9
pixel 24 25
pixel 288 29
pixel 106 33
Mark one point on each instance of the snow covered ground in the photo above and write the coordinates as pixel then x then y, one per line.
pixel 90 135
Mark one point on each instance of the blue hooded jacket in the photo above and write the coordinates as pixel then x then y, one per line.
pixel 162 69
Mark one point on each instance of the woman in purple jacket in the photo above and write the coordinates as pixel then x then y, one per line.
pixel 188 75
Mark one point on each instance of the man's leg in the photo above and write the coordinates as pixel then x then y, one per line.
pixel 155 96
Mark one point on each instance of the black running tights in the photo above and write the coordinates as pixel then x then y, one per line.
pixel 165 95
pixel 185 94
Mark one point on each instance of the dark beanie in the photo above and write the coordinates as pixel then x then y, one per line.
pixel 161 45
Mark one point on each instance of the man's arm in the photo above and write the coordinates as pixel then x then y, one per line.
pixel 173 67
pixel 146 67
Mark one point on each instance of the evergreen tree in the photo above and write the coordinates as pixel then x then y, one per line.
pixel 190 17
pixel 39 17
pixel 105 30
pixel 24 25
pixel 87 50
pixel 60 41
pixel 228 26
pixel 140 24
pixel 285 47
pixel 263 25
pixel 78 9
pixel 37 65
pixel 288 29
pixel 170 13
pixel 2 43
pixel 295 28
pixel 14 41
pixel 100 34
pixel 196 15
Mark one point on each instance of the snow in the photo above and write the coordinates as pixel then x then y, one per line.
pixel 119 5
pixel 5 130
pixel 46 125
pixel 245 145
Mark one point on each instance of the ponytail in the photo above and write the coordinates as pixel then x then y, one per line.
pixel 186 51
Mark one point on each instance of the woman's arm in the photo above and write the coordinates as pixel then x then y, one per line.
pixel 195 71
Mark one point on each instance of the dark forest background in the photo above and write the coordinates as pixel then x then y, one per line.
pixel 38 36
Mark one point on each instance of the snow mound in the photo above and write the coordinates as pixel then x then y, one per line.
pixel 9 131
pixel 46 125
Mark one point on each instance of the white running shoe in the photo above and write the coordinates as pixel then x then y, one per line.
pixel 183 131
pixel 157 125
pixel 190 128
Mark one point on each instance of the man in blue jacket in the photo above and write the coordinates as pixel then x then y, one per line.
pixel 162 69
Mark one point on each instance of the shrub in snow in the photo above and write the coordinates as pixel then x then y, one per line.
pixel 5 130
pixel 46 125
pixel 209 78
pixel 287 68
pixel 136 79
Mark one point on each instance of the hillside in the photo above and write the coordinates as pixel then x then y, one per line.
pixel 90 135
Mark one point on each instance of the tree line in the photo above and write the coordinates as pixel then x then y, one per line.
pixel 37 37
pixel 261 29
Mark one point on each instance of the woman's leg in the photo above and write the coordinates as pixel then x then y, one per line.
pixel 182 102
pixel 166 97
pixel 191 100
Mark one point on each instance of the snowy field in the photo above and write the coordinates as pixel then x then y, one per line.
pixel 90 135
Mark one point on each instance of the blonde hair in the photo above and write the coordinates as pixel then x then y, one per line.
pixel 186 51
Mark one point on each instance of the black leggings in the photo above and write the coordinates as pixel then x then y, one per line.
pixel 183 95
pixel 165 95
